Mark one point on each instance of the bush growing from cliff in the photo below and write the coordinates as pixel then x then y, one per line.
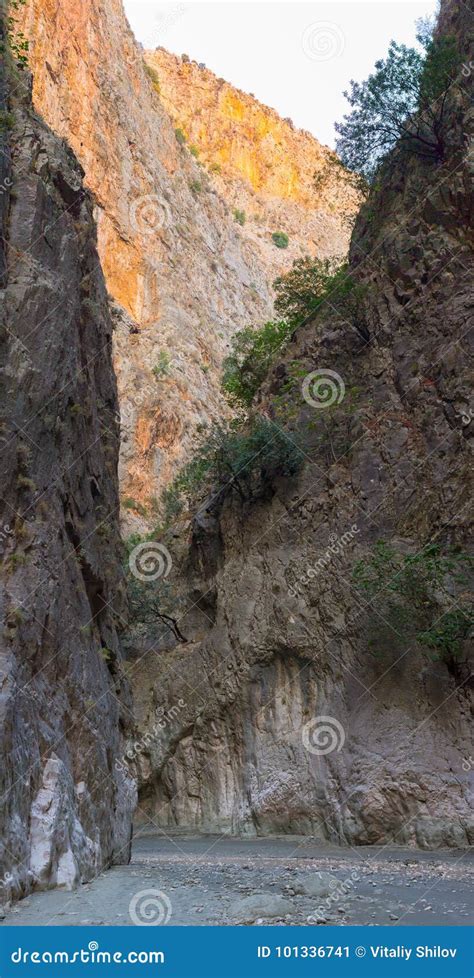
pixel 403 102
pixel 313 283
pixel 162 367
pixel 237 457
pixel 150 602
pixel 133 504
pixel 301 290
pixel 310 284
pixel 280 239
pixel 253 352
pixel 240 216
pixel 17 42
pixel 414 596
pixel 180 136
pixel 7 121
pixel 153 76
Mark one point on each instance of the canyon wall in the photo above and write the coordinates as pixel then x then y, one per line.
pixel 279 641
pixel 65 810
pixel 261 164
pixel 182 271
pixel 296 705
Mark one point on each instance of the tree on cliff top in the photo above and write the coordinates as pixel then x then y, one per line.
pixel 403 102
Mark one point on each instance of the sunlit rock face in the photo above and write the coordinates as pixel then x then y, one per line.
pixel 261 164
pixel 183 271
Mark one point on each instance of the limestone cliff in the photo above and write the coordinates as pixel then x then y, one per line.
pixel 182 277
pixel 184 273
pixel 64 703
pixel 296 706
pixel 261 164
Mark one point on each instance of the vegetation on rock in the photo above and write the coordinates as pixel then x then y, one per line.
pixel 402 103
pixel 416 594
pixel 240 456
pixel 310 284
pixel 253 352
pixel 280 239
pixel 150 602
pixel 153 76
pixel 162 367
pixel 17 42
pixel 240 216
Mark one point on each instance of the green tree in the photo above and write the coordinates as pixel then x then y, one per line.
pixel 313 283
pixel 236 457
pixel 403 102
pixel 414 595
pixel 253 351
pixel 150 603
pixel 300 291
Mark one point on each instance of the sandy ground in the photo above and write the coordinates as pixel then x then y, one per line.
pixel 221 880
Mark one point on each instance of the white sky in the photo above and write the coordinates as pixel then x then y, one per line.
pixel 296 57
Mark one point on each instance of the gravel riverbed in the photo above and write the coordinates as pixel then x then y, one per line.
pixel 288 881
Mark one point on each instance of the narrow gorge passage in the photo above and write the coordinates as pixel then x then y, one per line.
pixel 236 430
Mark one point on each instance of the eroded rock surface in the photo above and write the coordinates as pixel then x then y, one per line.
pixel 280 638
pixel 275 176
pixel 185 274
pixel 65 810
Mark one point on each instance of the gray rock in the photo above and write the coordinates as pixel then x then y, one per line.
pixel 64 697
pixel 260 905
pixel 318 885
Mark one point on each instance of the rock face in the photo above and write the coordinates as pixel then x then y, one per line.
pixel 185 275
pixel 260 163
pixel 288 721
pixel 64 702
